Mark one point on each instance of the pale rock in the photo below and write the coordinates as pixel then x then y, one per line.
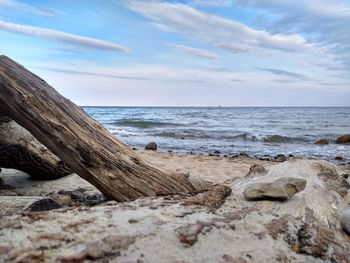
pixel 345 220
pixel 280 189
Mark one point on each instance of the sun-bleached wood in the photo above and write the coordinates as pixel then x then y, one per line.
pixel 81 142
pixel 20 150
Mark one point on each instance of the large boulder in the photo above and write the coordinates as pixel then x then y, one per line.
pixel 343 139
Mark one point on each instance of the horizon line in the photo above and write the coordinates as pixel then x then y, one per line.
pixel 170 106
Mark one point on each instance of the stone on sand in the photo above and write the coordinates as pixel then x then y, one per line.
pixel 280 189
pixel 44 204
pixel 152 146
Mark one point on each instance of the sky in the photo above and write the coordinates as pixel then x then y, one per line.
pixel 184 53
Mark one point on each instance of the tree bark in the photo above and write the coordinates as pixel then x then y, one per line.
pixel 81 142
pixel 20 150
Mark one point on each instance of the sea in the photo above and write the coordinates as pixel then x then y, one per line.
pixel 256 131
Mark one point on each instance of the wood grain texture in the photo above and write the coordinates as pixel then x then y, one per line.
pixel 81 142
pixel 21 151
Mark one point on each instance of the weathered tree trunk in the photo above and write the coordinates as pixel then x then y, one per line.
pixel 20 150
pixel 81 142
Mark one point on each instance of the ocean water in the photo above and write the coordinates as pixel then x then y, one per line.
pixel 256 131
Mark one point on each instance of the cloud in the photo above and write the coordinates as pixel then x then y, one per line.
pixel 11 4
pixel 217 31
pixel 202 53
pixel 320 21
pixel 55 35
pixel 147 72
pixel 288 74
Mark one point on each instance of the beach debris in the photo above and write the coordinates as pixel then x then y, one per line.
pixel 84 145
pixel 322 142
pixel 345 139
pixel 44 204
pixel 152 146
pixel 212 198
pixel 280 189
pixel 345 220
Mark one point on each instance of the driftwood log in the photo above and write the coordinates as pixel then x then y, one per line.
pixel 20 150
pixel 81 142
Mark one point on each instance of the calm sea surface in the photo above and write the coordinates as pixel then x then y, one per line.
pixel 256 131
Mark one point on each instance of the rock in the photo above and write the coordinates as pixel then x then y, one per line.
pixel 95 199
pixel 217 152
pixel 264 158
pixel 343 139
pixel 345 220
pixel 45 204
pixel 243 154
pixel 322 142
pixel 256 169
pixel 281 158
pixel 152 146
pixel 79 196
pixel 64 200
pixel 339 158
pixel 280 189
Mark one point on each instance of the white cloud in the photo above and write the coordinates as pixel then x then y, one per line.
pixel 322 21
pixel 18 6
pixel 55 35
pixel 197 52
pixel 217 31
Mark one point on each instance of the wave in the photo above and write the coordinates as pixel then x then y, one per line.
pixel 142 124
pixel 183 135
pixel 245 136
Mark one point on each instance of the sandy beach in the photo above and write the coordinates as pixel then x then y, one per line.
pixel 175 228
pixel 212 168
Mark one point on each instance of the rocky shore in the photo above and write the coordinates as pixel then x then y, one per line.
pixel 287 210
